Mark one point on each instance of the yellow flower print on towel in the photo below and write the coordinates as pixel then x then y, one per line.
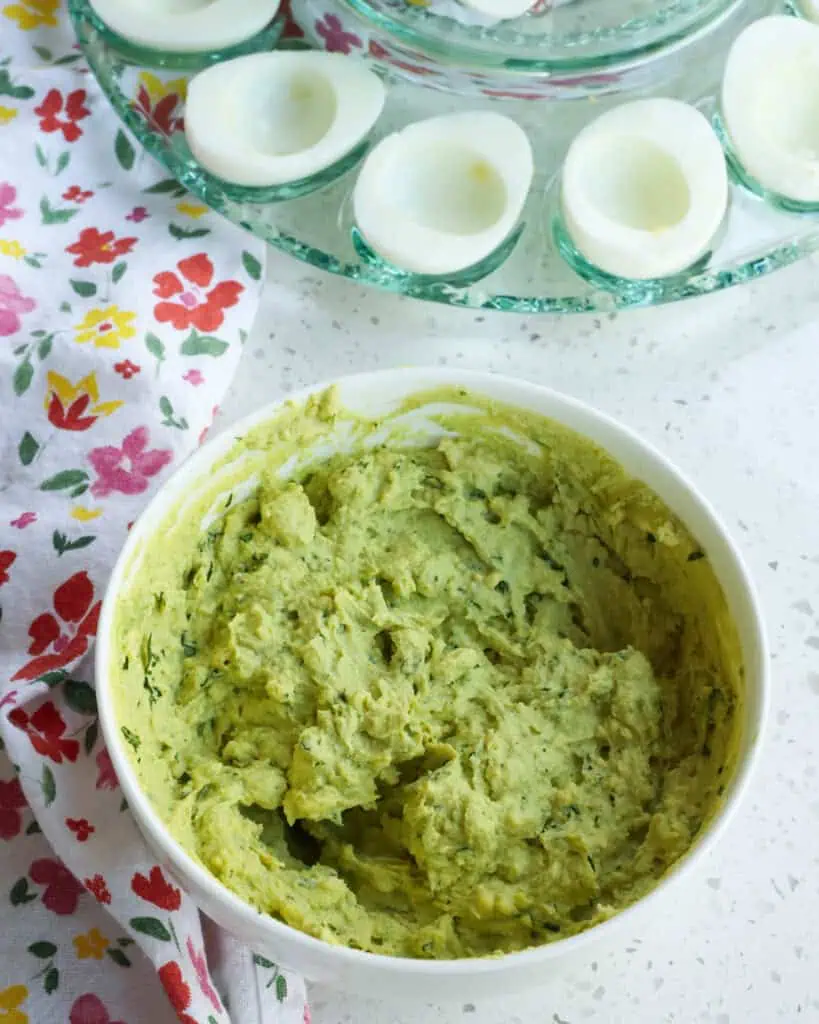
pixel 11 999
pixel 75 406
pixel 92 945
pixel 106 328
pixel 84 515
pixel 157 89
pixel 161 102
pixel 192 210
pixel 11 248
pixel 31 14
pixel 7 115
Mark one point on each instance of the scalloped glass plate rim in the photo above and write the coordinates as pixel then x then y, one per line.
pixel 703 283
pixel 442 35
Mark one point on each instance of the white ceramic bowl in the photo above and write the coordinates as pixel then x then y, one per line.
pixel 425 980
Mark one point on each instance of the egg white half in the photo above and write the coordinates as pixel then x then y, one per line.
pixel 186 26
pixel 272 118
pixel 444 193
pixel 500 9
pixel 645 189
pixel 810 9
pixel 770 104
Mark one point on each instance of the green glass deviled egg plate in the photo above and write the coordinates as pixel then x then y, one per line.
pixel 538 273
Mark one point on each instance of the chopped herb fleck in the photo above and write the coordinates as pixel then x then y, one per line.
pixel 154 693
pixel 695 556
pixel 130 737
pixel 552 562
pixel 146 654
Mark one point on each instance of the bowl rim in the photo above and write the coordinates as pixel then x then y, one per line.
pixel 756 662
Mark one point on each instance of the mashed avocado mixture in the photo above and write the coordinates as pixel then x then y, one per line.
pixel 441 702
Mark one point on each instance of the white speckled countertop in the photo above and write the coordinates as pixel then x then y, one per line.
pixel 728 387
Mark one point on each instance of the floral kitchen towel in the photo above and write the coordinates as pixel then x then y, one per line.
pixel 124 305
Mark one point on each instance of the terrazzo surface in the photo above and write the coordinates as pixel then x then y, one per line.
pixel 727 387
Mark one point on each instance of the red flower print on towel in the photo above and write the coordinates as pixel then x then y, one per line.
pixel 12 304
pixel 75 406
pixel 75 194
pixel 126 369
pixel 107 777
pixel 127 470
pixel 380 53
pixel 98 889
pixel 90 1009
pixel 71 418
pixel 72 109
pixel 200 965
pixel 137 215
pixel 336 38
pixel 81 827
pixel 177 990
pixel 63 890
pixel 46 728
pixel 195 307
pixel 12 803
pixel 291 30
pixel 155 889
pixel 164 114
pixel 8 193
pixel 203 433
pixel 58 640
pixel 7 560
pixel 95 246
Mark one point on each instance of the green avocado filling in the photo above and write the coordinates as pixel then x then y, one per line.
pixel 447 701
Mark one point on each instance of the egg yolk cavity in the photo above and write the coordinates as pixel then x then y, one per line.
pixel 449 188
pixel 642 188
pixel 293 113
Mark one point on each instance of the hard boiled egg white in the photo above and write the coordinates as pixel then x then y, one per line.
pixel 810 9
pixel 271 118
pixel 186 26
pixel 770 105
pixel 444 193
pixel 502 10
pixel 645 189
